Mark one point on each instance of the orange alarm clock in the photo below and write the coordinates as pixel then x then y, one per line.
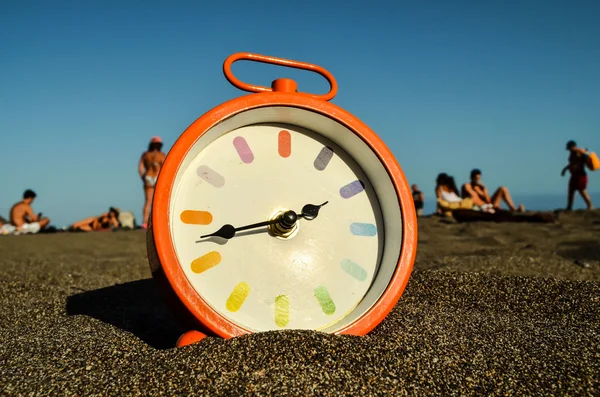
pixel 280 210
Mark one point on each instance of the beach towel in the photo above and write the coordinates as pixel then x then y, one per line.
pixel 463 215
pixel 7 229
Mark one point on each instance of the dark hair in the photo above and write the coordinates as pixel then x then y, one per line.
pixel 152 146
pixel 452 185
pixel 446 180
pixel 442 179
pixel 114 211
pixel 475 172
pixel 571 144
pixel 29 194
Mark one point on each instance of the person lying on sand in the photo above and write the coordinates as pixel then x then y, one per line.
pixel 24 219
pixel 107 220
pixel 476 191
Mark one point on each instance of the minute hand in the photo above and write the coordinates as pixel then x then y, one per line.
pixel 228 231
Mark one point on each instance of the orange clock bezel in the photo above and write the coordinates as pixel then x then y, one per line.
pixel 160 241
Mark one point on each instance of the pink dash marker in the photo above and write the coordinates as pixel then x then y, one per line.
pixel 243 149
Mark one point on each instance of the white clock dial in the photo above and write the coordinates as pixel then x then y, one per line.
pixel 309 281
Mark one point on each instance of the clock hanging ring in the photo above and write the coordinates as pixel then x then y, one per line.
pixel 279 210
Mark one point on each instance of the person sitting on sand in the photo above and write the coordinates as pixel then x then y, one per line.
pixel 578 181
pixel 149 168
pixel 107 220
pixel 476 191
pixel 447 195
pixel 418 199
pixel 23 218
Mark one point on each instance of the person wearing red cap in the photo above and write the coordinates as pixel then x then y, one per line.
pixel 149 168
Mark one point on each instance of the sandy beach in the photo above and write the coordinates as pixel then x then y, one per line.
pixel 491 309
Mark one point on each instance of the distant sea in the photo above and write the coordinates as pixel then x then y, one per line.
pixel 538 202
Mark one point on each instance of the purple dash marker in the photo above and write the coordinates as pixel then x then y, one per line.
pixel 210 176
pixel 323 158
pixel 243 149
pixel 352 189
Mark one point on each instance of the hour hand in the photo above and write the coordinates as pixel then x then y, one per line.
pixel 311 211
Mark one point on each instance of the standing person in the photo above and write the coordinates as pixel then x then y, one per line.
pixel 578 180
pixel 477 191
pixel 418 198
pixel 149 168
pixel 24 219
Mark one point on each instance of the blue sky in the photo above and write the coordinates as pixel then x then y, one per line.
pixel 448 85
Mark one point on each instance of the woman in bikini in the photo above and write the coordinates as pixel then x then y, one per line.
pixel 149 168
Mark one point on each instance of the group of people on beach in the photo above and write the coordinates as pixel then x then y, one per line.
pixel 474 195
pixel 24 220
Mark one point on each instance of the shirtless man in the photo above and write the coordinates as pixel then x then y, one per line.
pixel 23 217
pixel 149 168
pixel 578 181
pixel 480 196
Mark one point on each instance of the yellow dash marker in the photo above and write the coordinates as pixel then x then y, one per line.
pixel 237 297
pixel 282 310
pixel 196 217
pixel 206 261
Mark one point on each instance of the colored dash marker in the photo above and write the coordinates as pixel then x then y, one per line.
pixel 324 300
pixel 237 297
pixel 210 176
pixel 243 150
pixel 352 189
pixel 282 310
pixel 191 217
pixel 206 262
pixel 354 269
pixel 363 229
pixel 285 143
pixel 323 158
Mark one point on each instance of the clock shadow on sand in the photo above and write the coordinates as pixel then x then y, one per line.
pixel 136 307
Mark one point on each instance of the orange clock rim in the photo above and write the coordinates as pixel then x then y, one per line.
pixel 165 249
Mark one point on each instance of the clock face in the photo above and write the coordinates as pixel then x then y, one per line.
pixel 312 279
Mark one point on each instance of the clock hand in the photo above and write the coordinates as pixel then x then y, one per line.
pixel 285 220
pixel 310 211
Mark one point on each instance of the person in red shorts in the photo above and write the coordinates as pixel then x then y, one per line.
pixel 578 181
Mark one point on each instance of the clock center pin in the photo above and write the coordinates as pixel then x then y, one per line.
pixel 288 225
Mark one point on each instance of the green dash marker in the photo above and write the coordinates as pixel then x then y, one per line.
pixel 354 269
pixel 325 301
